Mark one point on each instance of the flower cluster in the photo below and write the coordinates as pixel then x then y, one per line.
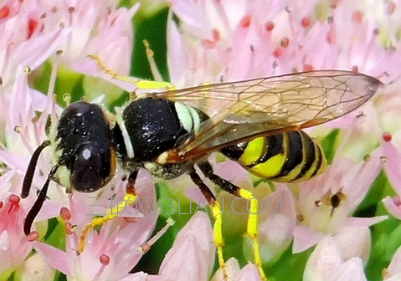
pixel 36 37
pixel 207 41
pixel 215 41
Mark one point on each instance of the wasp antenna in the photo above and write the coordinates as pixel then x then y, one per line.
pixel 26 186
pixel 33 212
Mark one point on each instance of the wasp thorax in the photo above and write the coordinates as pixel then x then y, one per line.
pixel 152 126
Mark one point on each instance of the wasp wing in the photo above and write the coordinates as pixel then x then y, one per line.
pixel 244 110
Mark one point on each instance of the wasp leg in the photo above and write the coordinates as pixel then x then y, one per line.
pixel 217 215
pixel 252 227
pixel 140 84
pixel 113 212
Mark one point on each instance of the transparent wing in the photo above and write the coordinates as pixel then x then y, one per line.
pixel 243 110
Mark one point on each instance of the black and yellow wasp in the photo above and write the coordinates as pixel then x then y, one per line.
pixel 256 122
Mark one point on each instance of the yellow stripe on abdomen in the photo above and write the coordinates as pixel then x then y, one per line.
pixel 271 167
pixel 253 151
pixel 286 157
pixel 271 156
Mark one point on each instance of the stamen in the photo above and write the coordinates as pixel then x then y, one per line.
pixel 130 219
pixel 269 26
pixel 68 228
pixel 330 36
pixel 370 46
pixel 104 259
pixel 216 35
pixel 32 236
pixel 34 121
pixel 305 22
pixel 7 56
pixel 208 44
pixel 14 199
pixel 390 7
pixel 53 74
pixel 4 12
pixel 246 21
pixel 357 17
pixel 278 52
pixel 284 42
pixel 387 136
pixel 14 203
pixel 32 25
pixel 146 247
pixel 65 214
pixel 153 67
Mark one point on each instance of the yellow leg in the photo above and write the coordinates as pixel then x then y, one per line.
pixel 218 237
pixel 217 215
pixel 113 212
pixel 140 84
pixel 252 228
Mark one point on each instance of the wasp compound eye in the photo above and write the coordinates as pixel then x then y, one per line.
pixel 87 173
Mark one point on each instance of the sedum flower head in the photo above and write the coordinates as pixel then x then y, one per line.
pixel 208 41
pixel 62 35
pixel 214 41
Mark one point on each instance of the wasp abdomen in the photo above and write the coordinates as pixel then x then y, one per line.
pixel 285 157
pixel 86 146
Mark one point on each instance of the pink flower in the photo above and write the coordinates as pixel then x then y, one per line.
pixel 64 33
pixel 233 41
pixel 277 222
pixel 35 268
pixel 393 272
pixel 14 245
pixel 393 158
pixel 327 263
pixel 193 252
pixel 350 182
pixel 277 212
pixel 113 252
pixel 249 272
pixel 93 28
pixel 215 41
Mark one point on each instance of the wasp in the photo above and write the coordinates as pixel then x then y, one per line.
pixel 256 122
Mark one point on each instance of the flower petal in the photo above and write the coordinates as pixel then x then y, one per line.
pixel 190 257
